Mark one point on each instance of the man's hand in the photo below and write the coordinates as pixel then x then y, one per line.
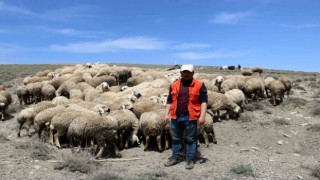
pixel 166 119
pixel 201 121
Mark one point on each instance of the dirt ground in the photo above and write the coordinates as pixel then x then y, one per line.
pixel 281 142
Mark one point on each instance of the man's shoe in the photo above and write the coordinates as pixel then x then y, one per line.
pixel 189 165
pixel 171 162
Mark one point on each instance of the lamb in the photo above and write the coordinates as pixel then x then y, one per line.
pixel 257 69
pixel 94 127
pixel 151 124
pixel 218 81
pixel 23 94
pixel 256 87
pixel 218 101
pixel 5 101
pixel 207 129
pixel 236 96
pixel 277 89
pixel 48 92
pixel 27 115
pixel 128 126
pixel 287 83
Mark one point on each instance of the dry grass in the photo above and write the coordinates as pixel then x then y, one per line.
pixel 281 121
pixel 316 172
pixel 155 174
pixel 314 128
pixel 243 169
pixel 316 111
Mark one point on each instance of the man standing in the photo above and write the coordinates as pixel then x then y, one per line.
pixel 187 106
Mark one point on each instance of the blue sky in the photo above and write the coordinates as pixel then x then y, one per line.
pixel 275 34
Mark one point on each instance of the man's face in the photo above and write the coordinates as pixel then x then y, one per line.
pixel 186 75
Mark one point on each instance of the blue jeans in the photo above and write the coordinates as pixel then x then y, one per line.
pixel 178 126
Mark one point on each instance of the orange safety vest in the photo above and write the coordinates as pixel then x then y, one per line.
pixel 194 106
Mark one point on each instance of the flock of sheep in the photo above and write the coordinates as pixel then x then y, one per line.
pixel 100 105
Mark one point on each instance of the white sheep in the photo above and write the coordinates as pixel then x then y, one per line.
pixel 218 101
pixel 236 96
pixel 27 115
pixel 151 124
pixel 5 101
pixel 89 126
pixel 207 130
pixel 256 87
pixel 128 126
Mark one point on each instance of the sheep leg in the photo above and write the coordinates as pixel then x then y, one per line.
pixel 159 143
pixel 126 144
pixel 29 123
pixel 288 93
pixel 274 99
pixel 101 151
pixel 147 143
pixel 116 150
pixel 56 139
pixel 205 137
pixel 166 142
pixel 19 129
pixel 51 137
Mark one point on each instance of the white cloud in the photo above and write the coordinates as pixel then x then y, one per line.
pixel 8 48
pixel 213 55
pixel 231 18
pixel 72 32
pixel 67 13
pixel 131 43
pixel 191 46
pixel 301 26
pixel 14 9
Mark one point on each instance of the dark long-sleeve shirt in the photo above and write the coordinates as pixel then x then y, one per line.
pixel 203 92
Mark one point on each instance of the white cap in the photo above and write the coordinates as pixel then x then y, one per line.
pixel 187 67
